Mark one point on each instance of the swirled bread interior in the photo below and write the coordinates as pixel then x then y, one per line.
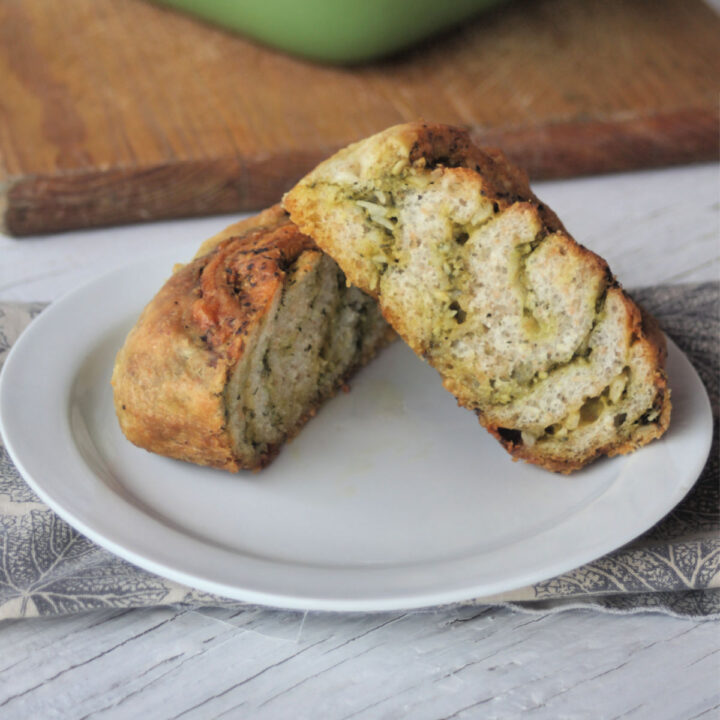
pixel 241 345
pixel 527 328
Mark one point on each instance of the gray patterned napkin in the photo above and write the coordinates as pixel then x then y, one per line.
pixel 47 568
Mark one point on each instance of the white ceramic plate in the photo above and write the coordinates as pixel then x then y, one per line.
pixel 392 497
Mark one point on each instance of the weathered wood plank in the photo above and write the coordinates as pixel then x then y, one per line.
pixel 463 662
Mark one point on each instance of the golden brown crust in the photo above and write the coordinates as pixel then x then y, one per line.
pixel 170 374
pixel 269 218
pixel 447 152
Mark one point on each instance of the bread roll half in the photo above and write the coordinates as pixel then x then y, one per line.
pixel 527 328
pixel 240 346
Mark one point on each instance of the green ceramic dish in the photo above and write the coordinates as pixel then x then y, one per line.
pixel 338 31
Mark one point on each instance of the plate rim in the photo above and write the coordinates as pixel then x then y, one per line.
pixel 296 602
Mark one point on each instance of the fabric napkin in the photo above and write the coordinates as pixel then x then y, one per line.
pixel 47 568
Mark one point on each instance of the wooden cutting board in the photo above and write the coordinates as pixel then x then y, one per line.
pixel 114 111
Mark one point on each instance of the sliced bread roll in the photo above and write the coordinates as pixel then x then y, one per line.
pixel 239 347
pixel 527 328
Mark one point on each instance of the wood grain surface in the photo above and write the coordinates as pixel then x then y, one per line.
pixel 116 111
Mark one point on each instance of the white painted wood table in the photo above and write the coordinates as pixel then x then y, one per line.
pixel 653 227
